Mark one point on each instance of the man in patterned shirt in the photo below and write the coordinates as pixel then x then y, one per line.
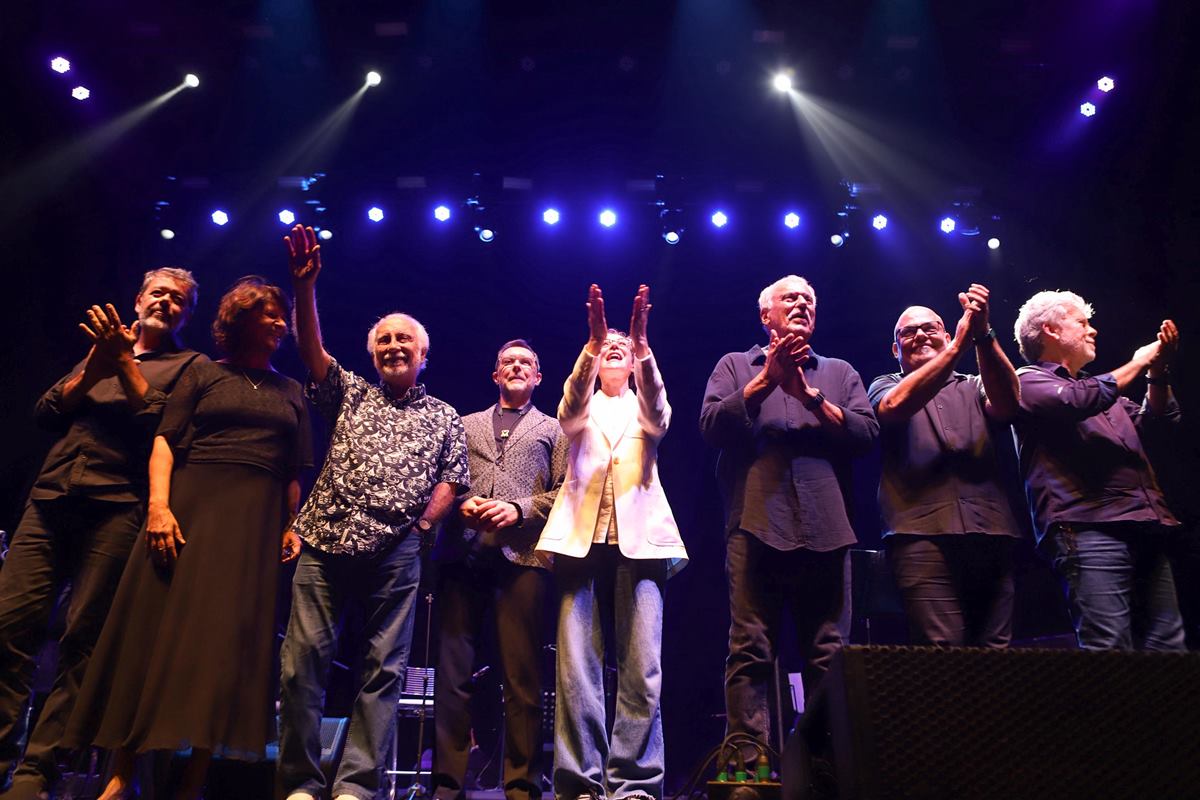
pixel 397 458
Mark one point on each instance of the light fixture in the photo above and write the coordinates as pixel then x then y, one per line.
pixel 287 217
pixel 167 234
pixel 608 218
pixel 782 82
pixel 191 81
pixel 325 234
pixel 947 225
pixel 486 234
pixel 60 65
pixel 374 78
pixel 375 214
pixel 719 219
pixel 837 240
pixel 441 213
pixel 879 222
pixel 80 93
pixel 993 243
pixel 1106 84
pixel 551 216
pixel 1088 110
pixel 791 219
pixel 219 217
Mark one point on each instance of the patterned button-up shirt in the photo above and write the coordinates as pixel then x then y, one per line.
pixel 385 456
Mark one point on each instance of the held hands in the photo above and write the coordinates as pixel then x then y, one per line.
pixel 290 546
pixel 488 514
pixel 974 322
pixel 164 540
pixel 304 254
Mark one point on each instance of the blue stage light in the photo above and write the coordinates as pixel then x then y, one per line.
pixel 60 65
pixel 993 243
pixel 837 240
pixel 287 217
pixel 671 237
pixel 1106 84
pixel 80 93
pixel 719 219
pixel 441 213
pixel 791 219
pixel 1088 110
pixel 947 225
pixel 550 216
pixel 220 217
pixel 879 222
pixel 375 214
pixel 486 234
pixel 608 218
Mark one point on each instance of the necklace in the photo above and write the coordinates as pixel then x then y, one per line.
pixel 252 383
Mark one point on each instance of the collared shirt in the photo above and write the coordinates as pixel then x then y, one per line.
pixel 1081 453
pixel 385 456
pixel 104 447
pixel 784 478
pixel 942 473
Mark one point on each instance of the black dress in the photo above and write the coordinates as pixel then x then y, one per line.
pixel 185 658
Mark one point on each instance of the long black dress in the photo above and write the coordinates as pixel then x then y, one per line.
pixel 186 653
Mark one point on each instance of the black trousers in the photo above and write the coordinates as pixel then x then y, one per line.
pixel 70 540
pixel 957 589
pixel 471 594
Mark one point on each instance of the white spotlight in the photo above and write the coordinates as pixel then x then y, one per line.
pixel 191 81
pixel 1106 84
pixel 374 78
pixel 782 82
pixel 287 217
pixel 486 234
pixel 167 234
pixel 325 234
pixel 791 219
pixel 60 65
pixel 993 243
pixel 80 93
pixel 671 237
pixel 219 217
pixel 608 218
pixel 837 240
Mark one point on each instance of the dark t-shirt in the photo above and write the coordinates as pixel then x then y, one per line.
pixel 104 444
pixel 217 415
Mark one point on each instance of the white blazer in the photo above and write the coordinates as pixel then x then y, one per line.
pixel 619 434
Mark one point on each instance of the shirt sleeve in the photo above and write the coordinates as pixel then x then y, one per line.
pixel 48 411
pixel 327 395
pixel 1045 394
pixel 576 401
pixel 724 421
pixel 452 461
pixel 180 408
pixel 862 427
pixel 879 389
pixel 654 412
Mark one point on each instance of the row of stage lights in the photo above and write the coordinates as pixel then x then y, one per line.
pixel 1105 85
pixel 62 66
pixel 607 218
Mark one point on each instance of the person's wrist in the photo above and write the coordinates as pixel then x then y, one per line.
pixel 985 338
pixel 815 398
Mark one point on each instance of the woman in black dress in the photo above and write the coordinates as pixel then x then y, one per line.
pixel 185 656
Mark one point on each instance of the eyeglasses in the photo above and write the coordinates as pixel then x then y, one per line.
pixel 930 329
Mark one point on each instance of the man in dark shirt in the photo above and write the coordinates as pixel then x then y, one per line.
pixel 397 458
pixel 518 457
pixel 85 509
pixel 949 525
pixel 1097 506
pixel 788 422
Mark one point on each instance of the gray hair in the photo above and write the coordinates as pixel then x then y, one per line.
pixel 422 334
pixel 518 343
pixel 180 276
pixel 764 297
pixel 1044 308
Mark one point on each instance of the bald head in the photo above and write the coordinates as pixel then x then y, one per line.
pixel 919 336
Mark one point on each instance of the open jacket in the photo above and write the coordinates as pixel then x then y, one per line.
pixel 620 434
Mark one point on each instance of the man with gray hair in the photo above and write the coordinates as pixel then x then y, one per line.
pixel 85 509
pixel 788 423
pixel 1097 507
pixel 397 458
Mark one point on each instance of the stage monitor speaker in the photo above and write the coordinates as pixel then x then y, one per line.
pixel 911 722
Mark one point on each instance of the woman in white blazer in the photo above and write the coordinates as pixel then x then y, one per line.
pixel 614 542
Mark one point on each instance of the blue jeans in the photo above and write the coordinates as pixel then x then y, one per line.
pixel 1120 586
pixel 384 585
pixel 605 585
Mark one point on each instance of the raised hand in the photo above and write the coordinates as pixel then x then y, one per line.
pixel 975 309
pixel 637 322
pixel 1168 346
pixel 304 254
pixel 164 539
pixel 597 324
pixel 111 339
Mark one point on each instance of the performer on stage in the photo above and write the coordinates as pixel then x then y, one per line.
pixel 488 570
pixel 397 457
pixel 85 509
pixel 1097 506
pixel 615 543
pixel 199 597
pixel 946 502
pixel 788 423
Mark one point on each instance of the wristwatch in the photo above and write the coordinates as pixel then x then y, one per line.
pixel 424 525
pixel 985 338
pixel 813 402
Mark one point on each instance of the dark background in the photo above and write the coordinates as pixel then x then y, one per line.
pixel 932 101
